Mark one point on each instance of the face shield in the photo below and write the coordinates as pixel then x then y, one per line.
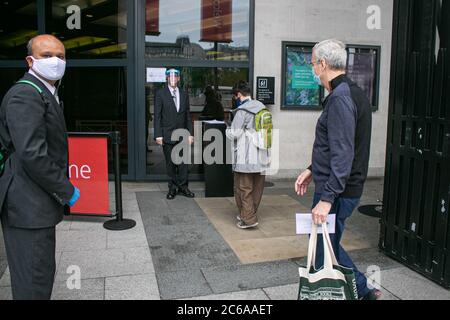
pixel 173 76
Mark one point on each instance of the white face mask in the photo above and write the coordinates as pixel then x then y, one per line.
pixel 317 79
pixel 52 69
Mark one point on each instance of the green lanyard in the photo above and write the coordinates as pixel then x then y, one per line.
pixel 31 84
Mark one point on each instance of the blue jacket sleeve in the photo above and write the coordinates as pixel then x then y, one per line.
pixel 341 124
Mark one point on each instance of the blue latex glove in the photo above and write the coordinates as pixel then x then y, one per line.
pixel 75 197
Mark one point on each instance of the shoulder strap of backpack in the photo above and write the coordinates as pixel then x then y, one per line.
pixel 41 92
pixel 3 132
pixel 32 84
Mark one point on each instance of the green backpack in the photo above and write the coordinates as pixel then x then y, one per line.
pixel 263 128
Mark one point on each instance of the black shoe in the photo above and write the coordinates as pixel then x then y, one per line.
pixel 171 195
pixel 186 192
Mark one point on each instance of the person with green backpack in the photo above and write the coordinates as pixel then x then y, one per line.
pixel 251 134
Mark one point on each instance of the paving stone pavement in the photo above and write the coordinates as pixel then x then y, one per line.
pixel 113 265
pixel 175 253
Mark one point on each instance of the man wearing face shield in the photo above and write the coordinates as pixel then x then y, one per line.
pixel 172 112
pixel 34 188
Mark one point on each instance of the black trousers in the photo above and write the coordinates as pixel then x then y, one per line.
pixel 31 261
pixel 178 174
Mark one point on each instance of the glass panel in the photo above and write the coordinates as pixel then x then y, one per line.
pixel 300 90
pixel 8 77
pixel 18 24
pixel 195 81
pixel 95 100
pixel 90 28
pixel 362 68
pixel 198 29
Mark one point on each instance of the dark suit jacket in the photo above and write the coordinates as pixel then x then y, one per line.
pixel 167 119
pixel 35 186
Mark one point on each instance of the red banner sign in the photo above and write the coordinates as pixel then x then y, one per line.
pixel 88 170
pixel 217 21
pixel 152 17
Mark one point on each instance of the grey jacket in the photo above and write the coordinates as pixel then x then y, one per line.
pixel 247 158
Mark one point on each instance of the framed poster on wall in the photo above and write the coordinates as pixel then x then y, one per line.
pixel 299 90
pixel 363 67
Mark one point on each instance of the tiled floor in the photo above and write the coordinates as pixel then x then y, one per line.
pixel 113 264
pixel 177 250
pixel 197 250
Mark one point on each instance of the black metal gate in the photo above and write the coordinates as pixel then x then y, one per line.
pixel 415 225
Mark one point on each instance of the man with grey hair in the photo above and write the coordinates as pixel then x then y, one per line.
pixel 34 188
pixel 341 152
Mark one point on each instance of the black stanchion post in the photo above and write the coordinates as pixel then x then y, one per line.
pixel 120 223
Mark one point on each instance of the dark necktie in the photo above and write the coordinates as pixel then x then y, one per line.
pixel 174 92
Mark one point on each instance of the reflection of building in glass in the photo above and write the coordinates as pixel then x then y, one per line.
pixel 182 48
pixel 102 30
pixel 227 52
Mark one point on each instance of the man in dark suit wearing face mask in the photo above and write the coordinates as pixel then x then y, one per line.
pixel 172 112
pixel 34 187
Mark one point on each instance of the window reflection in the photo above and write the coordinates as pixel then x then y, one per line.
pixel 363 69
pixel 8 77
pixel 95 100
pixel 18 24
pixel 90 28
pixel 198 29
pixel 197 82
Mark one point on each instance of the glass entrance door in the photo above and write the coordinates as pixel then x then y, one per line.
pixel 210 97
pixel 211 53
pixel 98 37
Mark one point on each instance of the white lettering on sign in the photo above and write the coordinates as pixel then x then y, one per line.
pixel 74 20
pixel 263 83
pixel 83 172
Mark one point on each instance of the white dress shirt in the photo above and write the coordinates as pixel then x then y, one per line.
pixel 50 87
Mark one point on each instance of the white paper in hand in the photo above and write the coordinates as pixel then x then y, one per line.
pixel 304 224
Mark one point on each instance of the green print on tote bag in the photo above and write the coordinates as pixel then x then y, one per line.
pixel 332 282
